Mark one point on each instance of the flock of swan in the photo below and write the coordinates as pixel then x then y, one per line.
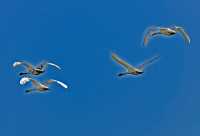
pixel 151 32
pixel 31 70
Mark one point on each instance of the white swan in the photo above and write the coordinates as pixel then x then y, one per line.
pixel 131 69
pixel 154 31
pixel 34 70
pixel 40 87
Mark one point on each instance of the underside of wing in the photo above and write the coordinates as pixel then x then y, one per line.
pixel 149 32
pixel 54 65
pixel 146 39
pixel 184 34
pixel 22 63
pixel 122 62
pixel 149 61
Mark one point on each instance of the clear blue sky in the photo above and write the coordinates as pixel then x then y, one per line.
pixel 79 36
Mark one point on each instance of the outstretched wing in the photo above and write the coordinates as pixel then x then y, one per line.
pixel 56 66
pixel 44 65
pixel 184 34
pixel 149 32
pixel 149 61
pixel 123 63
pixel 23 63
pixel 56 81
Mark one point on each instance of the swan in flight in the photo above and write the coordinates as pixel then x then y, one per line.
pixel 164 31
pixel 40 87
pixel 34 70
pixel 131 69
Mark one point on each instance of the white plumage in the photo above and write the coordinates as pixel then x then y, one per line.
pixel 155 31
pixel 24 80
pixel 34 70
pixel 41 87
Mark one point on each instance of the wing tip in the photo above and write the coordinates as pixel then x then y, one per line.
pixel 60 83
pixel 17 63
pixel 113 55
pixel 55 65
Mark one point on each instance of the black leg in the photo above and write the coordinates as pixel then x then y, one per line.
pixel 29 90
pixel 21 74
pixel 122 74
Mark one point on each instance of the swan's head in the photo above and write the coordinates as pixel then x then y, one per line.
pixel 25 80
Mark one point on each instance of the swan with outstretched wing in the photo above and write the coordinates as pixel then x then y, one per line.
pixel 40 87
pixel 155 31
pixel 131 70
pixel 34 70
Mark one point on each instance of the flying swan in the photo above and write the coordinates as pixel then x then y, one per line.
pixel 40 87
pixel 34 70
pixel 154 31
pixel 131 70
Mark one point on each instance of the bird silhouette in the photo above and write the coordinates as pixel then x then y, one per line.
pixel 131 70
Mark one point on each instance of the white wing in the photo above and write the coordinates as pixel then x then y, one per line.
pixel 17 63
pixel 24 80
pixel 23 63
pixel 62 84
pixel 184 34
pixel 149 61
pixel 52 81
pixel 52 64
pixel 149 32
pixel 123 63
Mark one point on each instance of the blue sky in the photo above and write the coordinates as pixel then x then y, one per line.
pixel 79 36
